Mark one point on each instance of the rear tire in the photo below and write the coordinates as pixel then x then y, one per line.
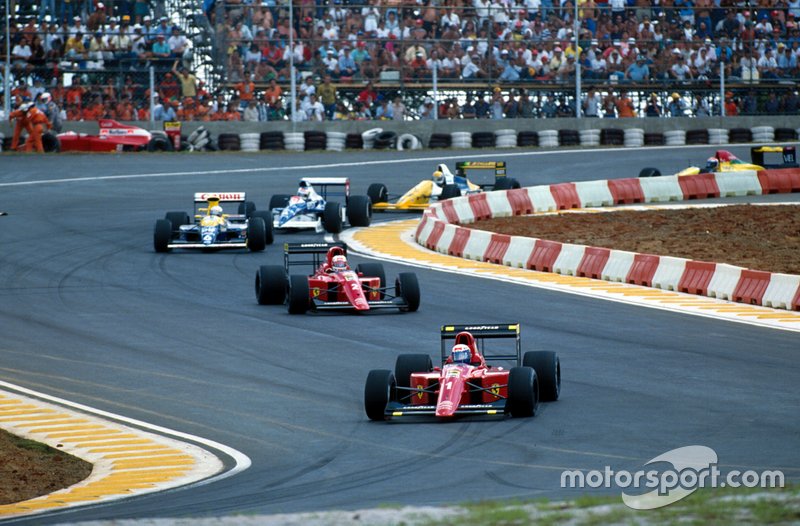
pixel 278 201
pixel 271 285
pixel 411 363
pixel 523 392
pixel 162 235
pixel 247 208
pixel 378 193
pixel 298 295
pixel 650 172
pixel 177 219
pixel 407 287
pixel 332 217
pixel 372 270
pixel 267 217
pixel 379 390
pixel 256 234
pixel 449 191
pixel 359 210
pixel 548 371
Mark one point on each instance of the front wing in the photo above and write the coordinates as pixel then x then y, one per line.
pixel 396 207
pixel 219 244
pixel 397 409
pixel 394 303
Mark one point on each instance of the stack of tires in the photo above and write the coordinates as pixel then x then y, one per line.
pixel 612 137
pixel 229 141
pixel 482 139
pixel 634 138
pixel 740 135
pixel 440 140
pixel 249 142
pixel 408 142
pixel 653 139
pixel 699 136
pixel 315 140
pixel 461 140
pixel 675 137
pixel 763 133
pixel 548 138
pixel 717 136
pixel 589 137
pixel 369 137
pixel 786 134
pixel 505 138
pixel 354 141
pixel 294 141
pixel 200 140
pixel 527 138
pixel 386 140
pixel 271 141
pixel 335 141
pixel 569 137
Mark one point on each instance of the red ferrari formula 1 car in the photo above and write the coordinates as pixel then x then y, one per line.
pixel 113 137
pixel 465 384
pixel 333 285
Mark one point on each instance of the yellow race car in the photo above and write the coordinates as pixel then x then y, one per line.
pixel 725 161
pixel 470 178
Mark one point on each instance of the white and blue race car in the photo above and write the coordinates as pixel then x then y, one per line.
pixel 310 207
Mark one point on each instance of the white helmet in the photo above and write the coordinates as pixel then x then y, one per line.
pixel 216 210
pixel 45 97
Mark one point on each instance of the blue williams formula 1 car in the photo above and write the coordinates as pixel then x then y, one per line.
pixel 311 207
pixel 213 226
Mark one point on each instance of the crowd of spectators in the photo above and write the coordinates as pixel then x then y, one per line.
pixel 515 58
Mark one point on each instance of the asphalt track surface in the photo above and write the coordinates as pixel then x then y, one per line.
pixel 89 313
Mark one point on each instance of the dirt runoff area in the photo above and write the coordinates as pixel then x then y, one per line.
pixel 760 237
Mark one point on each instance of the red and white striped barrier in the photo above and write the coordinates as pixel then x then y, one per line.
pixel 439 230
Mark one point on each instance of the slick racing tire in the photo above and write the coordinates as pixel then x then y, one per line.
pixel 548 371
pixel 378 193
pixel 379 390
pixel 159 144
pixel 247 208
pixel 373 270
pixel 278 201
pixel 298 295
pixel 271 285
pixel 50 143
pixel 162 235
pixel 410 363
pixel 267 217
pixel 177 219
pixel 650 172
pixel 507 183
pixel 523 392
pixel 332 217
pixel 359 210
pixel 256 234
pixel 449 191
pixel 407 287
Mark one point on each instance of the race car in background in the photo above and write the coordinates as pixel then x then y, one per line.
pixel 332 285
pixel 470 177
pixel 310 207
pixel 724 161
pixel 215 225
pixel 465 384
pixel 113 137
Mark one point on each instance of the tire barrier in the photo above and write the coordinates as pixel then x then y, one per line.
pixel 675 138
pixel 228 141
pixel 506 138
pixel 654 139
pixel 314 140
pixel 294 141
pixel 697 136
pixel 354 141
pixel 763 134
pixel 386 140
pixel 271 141
pixel 634 138
pixel 483 139
pixel 612 137
pixel 440 230
pixel 527 138
pixel 369 137
pixel 740 135
pixel 568 138
pixel 785 134
pixel 408 141
pixel 548 138
pixel 718 136
pixel 249 142
pixel 440 140
pixel 589 137
pixel 335 141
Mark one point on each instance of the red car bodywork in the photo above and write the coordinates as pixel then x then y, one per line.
pixel 343 286
pixel 113 137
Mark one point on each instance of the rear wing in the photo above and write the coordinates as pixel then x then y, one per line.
pixel 482 173
pixel 481 333
pixel 788 154
pixel 330 186
pixel 316 253
pixel 224 200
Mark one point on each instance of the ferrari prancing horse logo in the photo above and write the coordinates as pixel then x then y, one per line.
pixel 495 390
pixel 420 391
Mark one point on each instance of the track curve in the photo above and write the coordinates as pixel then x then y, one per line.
pixel 92 314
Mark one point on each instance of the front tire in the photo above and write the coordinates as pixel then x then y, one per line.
pixel 407 287
pixel 332 218
pixel 267 218
pixel 298 295
pixel 650 172
pixel 359 210
pixel 378 193
pixel 449 191
pixel 411 363
pixel 523 392
pixel 247 208
pixel 162 235
pixel 548 371
pixel 256 234
pixel 379 390
pixel 271 285
pixel 177 219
